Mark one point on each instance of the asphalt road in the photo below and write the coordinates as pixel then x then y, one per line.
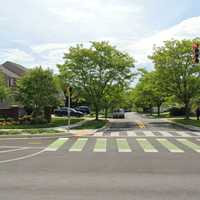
pixel 135 158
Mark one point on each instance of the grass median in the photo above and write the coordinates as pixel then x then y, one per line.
pixel 93 124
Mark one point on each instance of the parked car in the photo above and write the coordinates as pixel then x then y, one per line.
pixel 83 109
pixel 118 113
pixel 64 112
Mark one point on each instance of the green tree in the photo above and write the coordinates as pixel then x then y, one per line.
pixel 115 97
pixel 4 90
pixel 92 70
pixel 149 92
pixel 37 90
pixel 176 72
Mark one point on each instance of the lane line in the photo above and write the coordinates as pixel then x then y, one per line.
pixel 15 147
pixel 78 145
pixel 13 150
pixel 131 134
pixel 123 145
pixel 56 144
pixel 165 134
pixel 146 146
pixel 22 158
pixel 149 134
pixel 190 144
pixel 170 146
pixel 100 145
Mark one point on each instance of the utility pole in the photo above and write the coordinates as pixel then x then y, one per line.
pixel 68 110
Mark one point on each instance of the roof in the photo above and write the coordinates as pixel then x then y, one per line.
pixel 7 72
pixel 14 68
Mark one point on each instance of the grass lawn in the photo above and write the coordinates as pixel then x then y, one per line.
pixel 56 121
pixel 93 124
pixel 192 122
pixel 29 131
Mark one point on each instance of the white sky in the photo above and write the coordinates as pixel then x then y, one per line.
pixel 38 32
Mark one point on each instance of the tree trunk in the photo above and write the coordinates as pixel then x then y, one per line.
pixel 96 112
pixel 106 113
pixel 187 110
pixel 151 111
pixel 158 113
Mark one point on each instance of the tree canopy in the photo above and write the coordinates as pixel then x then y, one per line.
pixel 95 69
pixel 37 90
pixel 177 74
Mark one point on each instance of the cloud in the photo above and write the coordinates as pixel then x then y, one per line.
pixel 86 11
pixel 48 47
pixel 15 55
pixel 187 29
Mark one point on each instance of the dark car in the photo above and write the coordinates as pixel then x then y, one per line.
pixel 83 109
pixel 64 112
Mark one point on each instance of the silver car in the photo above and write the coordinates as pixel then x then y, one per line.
pixel 118 114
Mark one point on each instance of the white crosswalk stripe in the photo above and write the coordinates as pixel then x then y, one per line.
pixel 196 133
pixel 131 134
pixel 183 134
pixel 146 146
pixel 123 145
pixel 170 146
pixel 173 145
pixel 114 134
pixel 165 134
pixel 149 134
pixel 98 134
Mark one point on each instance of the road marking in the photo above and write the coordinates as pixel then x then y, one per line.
pixel 22 158
pixel 114 134
pixel 100 145
pixel 98 134
pixel 165 134
pixel 131 134
pixel 170 146
pixel 190 144
pixel 146 146
pixel 79 145
pixel 123 145
pixel 56 144
pixel 183 134
pixel 13 150
pixel 148 133
pixel 140 124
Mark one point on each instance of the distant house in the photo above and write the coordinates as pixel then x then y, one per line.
pixel 12 72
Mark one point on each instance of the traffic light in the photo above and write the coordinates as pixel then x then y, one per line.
pixel 196 53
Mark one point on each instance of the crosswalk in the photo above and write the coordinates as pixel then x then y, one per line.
pixel 146 134
pixel 127 145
